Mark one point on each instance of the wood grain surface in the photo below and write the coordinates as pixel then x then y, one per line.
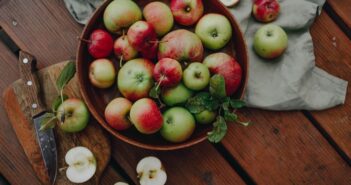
pixel 281 148
pixel 333 54
pixel 343 9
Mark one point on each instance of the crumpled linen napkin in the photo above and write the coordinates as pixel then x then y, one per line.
pixel 291 82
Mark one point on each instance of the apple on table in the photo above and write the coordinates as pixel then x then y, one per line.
pixel 178 125
pixel 187 12
pixel 135 79
pixel 214 30
pixel 181 45
pixel 121 14
pixel 146 116
pixel 159 15
pixel 102 73
pixel 266 10
pixel 270 41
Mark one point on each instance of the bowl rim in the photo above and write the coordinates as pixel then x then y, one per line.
pixel 115 133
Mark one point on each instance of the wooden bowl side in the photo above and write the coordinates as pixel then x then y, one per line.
pixel 97 99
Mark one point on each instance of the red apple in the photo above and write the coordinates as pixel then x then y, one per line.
pixel 187 12
pixel 123 49
pixel 159 16
pixel 181 45
pixel 100 44
pixel 116 113
pixel 142 36
pixel 266 10
pixel 168 72
pixel 228 67
pixel 146 116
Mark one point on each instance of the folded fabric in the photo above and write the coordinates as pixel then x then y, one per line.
pixel 81 10
pixel 291 82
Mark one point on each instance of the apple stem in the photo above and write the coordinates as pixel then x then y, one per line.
pixel 84 40
pixel 159 83
pixel 120 61
pixel 156 41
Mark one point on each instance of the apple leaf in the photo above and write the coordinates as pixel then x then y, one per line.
pixel 154 92
pixel 66 75
pixel 237 104
pixel 217 86
pixel 200 102
pixel 57 102
pixel 48 121
pixel 230 116
pixel 219 130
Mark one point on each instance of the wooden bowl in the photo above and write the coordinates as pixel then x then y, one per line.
pixel 97 99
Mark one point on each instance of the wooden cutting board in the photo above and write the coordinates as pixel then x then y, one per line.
pixel 93 137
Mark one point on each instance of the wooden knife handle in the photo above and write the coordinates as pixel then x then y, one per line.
pixel 27 66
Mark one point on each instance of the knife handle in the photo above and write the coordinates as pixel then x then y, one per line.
pixel 27 66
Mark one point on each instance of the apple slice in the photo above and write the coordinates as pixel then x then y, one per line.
pixel 151 172
pixel 229 3
pixel 82 164
pixel 121 183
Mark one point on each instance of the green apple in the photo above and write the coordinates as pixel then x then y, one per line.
pixel 214 30
pixel 102 73
pixel 176 95
pixel 135 79
pixel 178 124
pixel 120 14
pixel 205 117
pixel 270 41
pixel 196 76
pixel 73 114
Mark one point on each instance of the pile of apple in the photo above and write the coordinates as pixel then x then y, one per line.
pixel 161 66
pixel 270 41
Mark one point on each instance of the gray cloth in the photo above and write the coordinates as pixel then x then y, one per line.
pixel 81 10
pixel 291 82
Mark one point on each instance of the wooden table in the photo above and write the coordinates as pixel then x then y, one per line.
pixel 297 147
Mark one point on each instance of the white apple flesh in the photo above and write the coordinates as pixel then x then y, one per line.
pixel 229 3
pixel 151 172
pixel 82 164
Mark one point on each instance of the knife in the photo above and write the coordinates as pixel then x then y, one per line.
pixel 45 138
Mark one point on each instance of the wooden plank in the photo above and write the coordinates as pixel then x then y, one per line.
pixel 198 165
pixel 284 148
pixel 12 158
pixel 333 54
pixel 43 28
pixel 343 9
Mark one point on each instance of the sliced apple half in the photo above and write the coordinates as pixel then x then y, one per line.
pixel 121 183
pixel 229 3
pixel 151 172
pixel 81 164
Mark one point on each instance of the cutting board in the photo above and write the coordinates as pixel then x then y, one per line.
pixel 92 137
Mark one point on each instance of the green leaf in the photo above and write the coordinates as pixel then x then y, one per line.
pixel 219 130
pixel 237 104
pixel 57 102
pixel 230 116
pixel 154 92
pixel 201 102
pixel 217 86
pixel 48 121
pixel 66 75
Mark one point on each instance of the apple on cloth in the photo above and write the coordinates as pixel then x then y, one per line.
pixel 290 81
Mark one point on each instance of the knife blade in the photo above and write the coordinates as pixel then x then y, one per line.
pixel 45 138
